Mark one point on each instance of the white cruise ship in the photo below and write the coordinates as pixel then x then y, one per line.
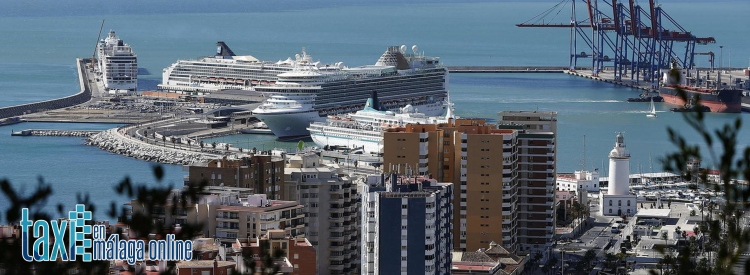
pixel 364 129
pixel 118 65
pixel 310 92
pixel 223 70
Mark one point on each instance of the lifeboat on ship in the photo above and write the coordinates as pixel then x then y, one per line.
pixel 239 81
pixel 254 82
pixel 264 82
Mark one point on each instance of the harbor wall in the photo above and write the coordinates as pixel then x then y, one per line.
pixel 81 97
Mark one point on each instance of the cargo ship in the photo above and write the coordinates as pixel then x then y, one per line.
pixel 715 95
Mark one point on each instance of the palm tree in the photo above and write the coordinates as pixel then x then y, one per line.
pixel 213 144
pixel 189 141
pixel 174 142
pixel 164 139
pixel 202 144
pixel 677 233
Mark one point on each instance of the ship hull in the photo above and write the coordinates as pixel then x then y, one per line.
pixel 292 124
pixel 719 101
pixel 370 146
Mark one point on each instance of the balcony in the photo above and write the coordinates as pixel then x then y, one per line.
pixel 336 191
pixel 336 219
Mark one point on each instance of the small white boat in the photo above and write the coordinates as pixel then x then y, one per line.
pixel 652 113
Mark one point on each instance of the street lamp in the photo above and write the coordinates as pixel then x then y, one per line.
pixel 721 57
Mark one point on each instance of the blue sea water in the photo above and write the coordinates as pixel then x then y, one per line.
pixel 41 41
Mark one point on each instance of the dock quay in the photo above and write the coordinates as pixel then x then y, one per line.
pixel 507 69
pixel 56 133
pixel 81 97
pixel 609 77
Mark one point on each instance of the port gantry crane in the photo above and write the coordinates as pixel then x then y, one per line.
pixel 638 42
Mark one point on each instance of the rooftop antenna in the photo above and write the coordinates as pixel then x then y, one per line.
pixel 583 162
pixel 96 45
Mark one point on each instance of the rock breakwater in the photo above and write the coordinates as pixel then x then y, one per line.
pixel 113 141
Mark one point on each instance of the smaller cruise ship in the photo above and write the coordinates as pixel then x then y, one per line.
pixel 364 129
pixel 117 65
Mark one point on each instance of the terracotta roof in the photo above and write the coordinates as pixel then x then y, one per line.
pixel 476 257
pixel 497 250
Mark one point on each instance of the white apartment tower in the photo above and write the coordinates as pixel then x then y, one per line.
pixel 332 211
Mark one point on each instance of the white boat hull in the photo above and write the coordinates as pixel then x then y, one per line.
pixel 370 146
pixel 289 124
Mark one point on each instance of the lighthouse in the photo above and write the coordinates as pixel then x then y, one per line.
pixel 618 201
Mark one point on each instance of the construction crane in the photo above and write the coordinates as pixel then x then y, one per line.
pixel 637 41
pixel 710 58
pixel 96 46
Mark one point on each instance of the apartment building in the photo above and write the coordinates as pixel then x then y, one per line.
pixel 407 226
pixel 479 159
pixel 331 207
pixel 262 173
pixel 298 251
pixel 230 213
pixel 537 169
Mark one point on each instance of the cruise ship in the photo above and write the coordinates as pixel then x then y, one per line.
pixel 311 92
pixel 223 70
pixel 117 65
pixel 364 129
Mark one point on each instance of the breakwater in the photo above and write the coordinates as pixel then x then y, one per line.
pixel 81 97
pixel 507 69
pixel 57 133
pixel 115 141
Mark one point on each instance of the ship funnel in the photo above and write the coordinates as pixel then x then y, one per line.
pixel 373 103
pixel 223 50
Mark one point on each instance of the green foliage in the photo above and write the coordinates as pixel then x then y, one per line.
pixel 725 238
pixel 141 224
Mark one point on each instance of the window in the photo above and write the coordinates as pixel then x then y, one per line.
pixel 619 202
pixel 610 211
pixel 628 205
pixel 610 204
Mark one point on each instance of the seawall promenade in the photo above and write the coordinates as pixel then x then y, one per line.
pixel 78 98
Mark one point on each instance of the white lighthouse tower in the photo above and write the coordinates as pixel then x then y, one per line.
pixel 618 201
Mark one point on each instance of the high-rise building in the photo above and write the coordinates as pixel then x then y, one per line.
pixel 537 151
pixel 331 211
pixel 479 159
pixel 262 173
pixel 407 226
pixel 618 201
